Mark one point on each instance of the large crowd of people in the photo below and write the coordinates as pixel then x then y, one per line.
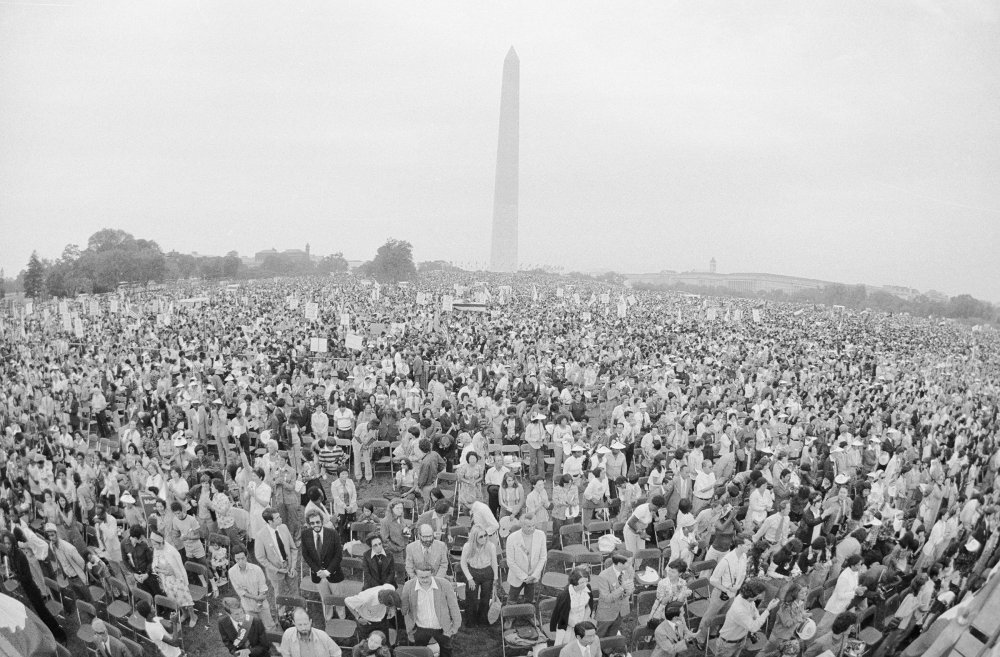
pixel 649 469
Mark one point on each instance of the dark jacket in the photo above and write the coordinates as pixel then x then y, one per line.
pixel 250 635
pixel 560 613
pixel 332 554
pixel 378 570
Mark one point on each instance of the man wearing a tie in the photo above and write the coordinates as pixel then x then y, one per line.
pixel 107 645
pixel 243 635
pixel 429 550
pixel 276 552
pixel 322 550
pixel 615 586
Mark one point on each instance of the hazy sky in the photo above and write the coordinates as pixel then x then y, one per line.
pixel 849 141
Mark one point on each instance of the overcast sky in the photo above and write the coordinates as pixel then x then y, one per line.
pixel 847 141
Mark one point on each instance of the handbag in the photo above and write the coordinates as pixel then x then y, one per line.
pixel 493 614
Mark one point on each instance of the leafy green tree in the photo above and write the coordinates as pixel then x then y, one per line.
pixel 34 277
pixel 393 262
pixel 231 265
pixel 332 264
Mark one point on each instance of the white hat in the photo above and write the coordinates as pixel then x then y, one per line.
pixel 217 401
pixel 127 498
pixel 765 450
pixel 209 387
pixel 538 416
pixel 603 450
pixel 578 448
pixel 875 474
pixel 230 378
pixel 972 545
pixel 841 479
pixel 617 445
pixel 807 629
pixel 180 441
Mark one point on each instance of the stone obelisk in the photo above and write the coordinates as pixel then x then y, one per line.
pixel 503 255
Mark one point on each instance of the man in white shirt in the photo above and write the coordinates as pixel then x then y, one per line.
pixel 844 592
pixel 595 495
pixel 375 608
pixel 727 578
pixel 526 554
pixel 704 487
pixel 343 421
pixel 585 641
pixel 430 609
pixel 320 423
pixel 642 516
pixel 776 527
pixel 303 640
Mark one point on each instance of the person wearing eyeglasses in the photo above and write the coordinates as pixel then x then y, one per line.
pixel 323 551
pixel 105 644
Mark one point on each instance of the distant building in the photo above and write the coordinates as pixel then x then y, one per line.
pixel 711 266
pixel 934 295
pixel 261 256
pixel 905 293
pixel 737 282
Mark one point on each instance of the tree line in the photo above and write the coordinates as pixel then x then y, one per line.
pixel 114 256
pixel 858 297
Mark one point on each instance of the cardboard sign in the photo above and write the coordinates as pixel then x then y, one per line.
pixel 345 319
pixel 712 314
pixel 605 297
pixel 756 315
pixel 78 327
pixel 312 310
pixel 318 345
pixel 353 341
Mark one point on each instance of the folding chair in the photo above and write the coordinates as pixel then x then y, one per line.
pixel 509 613
pixel 120 607
pixel 593 533
pixel 567 538
pixel 361 530
pixel 545 608
pixel 551 651
pixel 554 576
pixel 642 641
pixel 448 483
pixel 697 603
pixel 85 614
pixel 870 634
pixel 134 649
pixel 643 607
pixel 592 561
pixel 613 644
pixel 163 602
pixel 698 567
pixel 384 462
pixel 340 629
pixel 379 504
pixel 663 530
pixel 198 592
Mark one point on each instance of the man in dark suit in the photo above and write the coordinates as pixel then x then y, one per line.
pixel 242 634
pixel 322 550
pixel 105 644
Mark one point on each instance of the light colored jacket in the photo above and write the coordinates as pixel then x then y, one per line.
pixel 525 561
pixel 290 646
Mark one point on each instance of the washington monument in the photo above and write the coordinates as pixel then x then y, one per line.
pixel 503 255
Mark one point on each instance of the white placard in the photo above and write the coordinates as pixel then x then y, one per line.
pixel 586 316
pixel 67 322
pixel 318 345
pixel 712 314
pixel 559 292
pixel 353 341
pixel 78 327
pixel 756 315
pixel 345 319
pixel 29 308
pixel 293 303
pixel 605 297
pixel 312 310
pixel 63 308
pixel 114 305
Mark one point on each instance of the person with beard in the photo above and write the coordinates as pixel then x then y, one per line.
pixel 303 640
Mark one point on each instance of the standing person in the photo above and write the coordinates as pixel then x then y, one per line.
pixel 277 553
pixel 614 586
pixel 537 500
pixel 727 578
pixel 243 635
pixel 250 585
pixel 743 619
pixel 20 569
pixel 575 604
pixel 427 549
pixel 378 566
pixel 323 552
pixel 535 437
pixel 526 554
pixel 789 617
pixel 375 609
pixel 704 487
pixel 482 572
pixel 394 531
pixel 844 592
pixel 169 568
pixel 430 609
pixel 635 530
pixel 303 640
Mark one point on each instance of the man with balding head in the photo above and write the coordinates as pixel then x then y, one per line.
pixel 105 644
pixel 427 549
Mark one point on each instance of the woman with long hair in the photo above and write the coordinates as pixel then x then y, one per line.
pixel 790 615
pixel 511 496
pixel 481 568
pixel 470 480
